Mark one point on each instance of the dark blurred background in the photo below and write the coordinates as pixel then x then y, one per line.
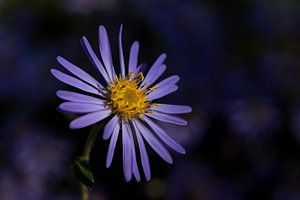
pixel 239 63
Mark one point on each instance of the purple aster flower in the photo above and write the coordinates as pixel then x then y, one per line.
pixel 128 99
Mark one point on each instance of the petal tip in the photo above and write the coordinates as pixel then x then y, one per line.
pixel 104 137
pixel 83 40
pixel 108 164
pixel 184 123
pixel 59 58
pixel 148 178
pixel 53 71
pixel 61 106
pixel 120 30
pixel 177 78
pixel 182 151
pixel 127 178
pixel 170 161
pixel 175 88
pixel 102 29
pixel 72 126
pixel 59 93
pixel 136 43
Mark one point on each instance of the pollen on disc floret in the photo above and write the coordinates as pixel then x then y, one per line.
pixel 127 98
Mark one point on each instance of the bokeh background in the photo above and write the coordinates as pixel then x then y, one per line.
pixel 239 63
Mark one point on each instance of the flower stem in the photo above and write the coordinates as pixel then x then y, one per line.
pixel 84 190
pixel 90 143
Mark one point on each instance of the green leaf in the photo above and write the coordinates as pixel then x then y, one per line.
pixel 83 173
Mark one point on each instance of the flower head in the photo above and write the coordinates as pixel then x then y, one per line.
pixel 128 99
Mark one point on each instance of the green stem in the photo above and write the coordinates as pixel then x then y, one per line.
pixel 84 190
pixel 90 143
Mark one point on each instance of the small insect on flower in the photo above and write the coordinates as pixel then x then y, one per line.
pixel 128 99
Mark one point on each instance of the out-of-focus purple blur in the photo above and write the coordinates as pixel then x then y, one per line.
pixel 239 63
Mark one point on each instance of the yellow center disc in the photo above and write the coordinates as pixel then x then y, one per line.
pixel 126 98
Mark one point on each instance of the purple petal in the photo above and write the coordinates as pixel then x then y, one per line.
pixel 153 142
pixel 161 92
pixel 165 85
pixel 155 71
pixel 135 169
pixel 172 109
pixel 77 97
pixel 167 118
pixel 171 80
pixel 89 119
pixel 93 58
pixel 159 71
pixel 80 108
pixel 133 57
pixel 164 136
pixel 143 153
pixel 122 63
pixel 110 126
pixel 67 79
pixel 141 68
pixel 79 72
pixel 127 157
pixel 112 145
pixel 106 52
